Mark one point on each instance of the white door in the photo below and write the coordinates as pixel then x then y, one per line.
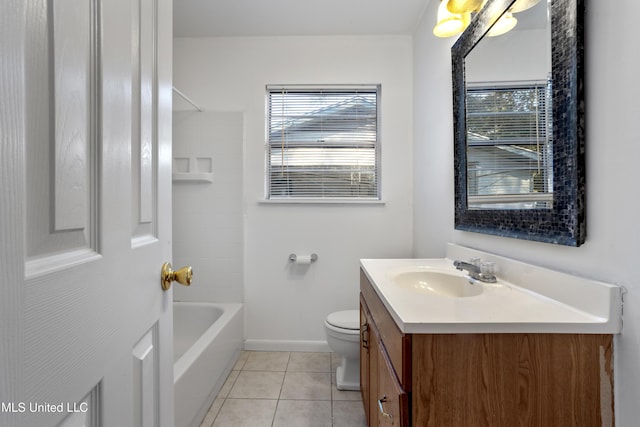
pixel 85 213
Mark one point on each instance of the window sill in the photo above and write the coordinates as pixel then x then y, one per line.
pixel 320 202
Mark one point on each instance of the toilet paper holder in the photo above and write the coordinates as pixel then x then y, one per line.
pixel 294 258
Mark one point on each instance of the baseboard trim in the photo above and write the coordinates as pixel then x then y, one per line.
pixel 286 345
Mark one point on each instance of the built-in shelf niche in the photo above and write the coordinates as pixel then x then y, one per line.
pixel 193 169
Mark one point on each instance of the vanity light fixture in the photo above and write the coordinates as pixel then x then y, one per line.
pixel 450 24
pixel 521 5
pixel 454 16
pixel 464 6
pixel 503 25
pixel 507 21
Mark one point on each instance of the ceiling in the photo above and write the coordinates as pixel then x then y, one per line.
pixel 220 18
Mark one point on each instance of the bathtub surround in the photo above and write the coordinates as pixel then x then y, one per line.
pixel 613 235
pixel 207 216
pixel 286 311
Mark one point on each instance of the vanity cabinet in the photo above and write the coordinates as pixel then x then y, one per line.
pixel 489 380
pixel 384 374
pixel 385 400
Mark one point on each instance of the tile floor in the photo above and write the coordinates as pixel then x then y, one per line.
pixel 285 389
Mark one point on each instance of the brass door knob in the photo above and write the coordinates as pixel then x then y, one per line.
pixel 182 276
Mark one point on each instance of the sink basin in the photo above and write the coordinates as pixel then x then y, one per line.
pixel 437 283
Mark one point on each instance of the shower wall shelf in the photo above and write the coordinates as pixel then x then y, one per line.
pixel 193 169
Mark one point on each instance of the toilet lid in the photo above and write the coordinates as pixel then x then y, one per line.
pixel 347 319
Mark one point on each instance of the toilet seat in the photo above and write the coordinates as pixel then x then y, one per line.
pixel 347 319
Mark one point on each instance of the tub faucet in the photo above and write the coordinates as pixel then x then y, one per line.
pixel 482 271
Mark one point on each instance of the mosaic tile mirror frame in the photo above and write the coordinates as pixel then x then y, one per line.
pixel 564 222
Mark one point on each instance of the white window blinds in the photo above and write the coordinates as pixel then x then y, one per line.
pixel 322 142
pixel 509 146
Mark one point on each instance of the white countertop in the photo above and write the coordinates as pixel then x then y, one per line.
pixel 503 307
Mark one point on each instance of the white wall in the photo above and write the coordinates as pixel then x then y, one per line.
pixel 613 148
pixel 207 217
pixel 285 307
pixel 433 139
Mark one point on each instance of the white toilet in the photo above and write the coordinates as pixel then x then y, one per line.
pixel 343 336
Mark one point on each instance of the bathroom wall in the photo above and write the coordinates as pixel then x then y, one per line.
pixel 613 149
pixel 286 305
pixel 207 216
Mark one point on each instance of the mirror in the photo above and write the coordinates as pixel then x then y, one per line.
pixel 519 124
pixel 508 116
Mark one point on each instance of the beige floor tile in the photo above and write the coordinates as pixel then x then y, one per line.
pixel 212 413
pixel 306 386
pixel 246 413
pixel 335 362
pixel 257 385
pixel 228 384
pixel 242 358
pixel 309 362
pixel 307 390
pixel 303 413
pixel 344 394
pixel 348 414
pixel 266 361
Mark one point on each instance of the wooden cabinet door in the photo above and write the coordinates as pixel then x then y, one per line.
pixel 392 400
pixel 374 349
pixel 364 360
pixel 369 345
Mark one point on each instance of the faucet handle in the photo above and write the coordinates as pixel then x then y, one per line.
pixel 487 268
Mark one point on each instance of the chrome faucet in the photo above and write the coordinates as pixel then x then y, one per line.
pixel 482 271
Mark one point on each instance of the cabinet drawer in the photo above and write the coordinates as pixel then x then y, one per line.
pixel 391 400
pixel 396 344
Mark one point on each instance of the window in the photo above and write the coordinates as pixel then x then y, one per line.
pixel 509 146
pixel 323 143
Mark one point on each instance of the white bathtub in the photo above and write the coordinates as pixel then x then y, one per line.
pixel 208 338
